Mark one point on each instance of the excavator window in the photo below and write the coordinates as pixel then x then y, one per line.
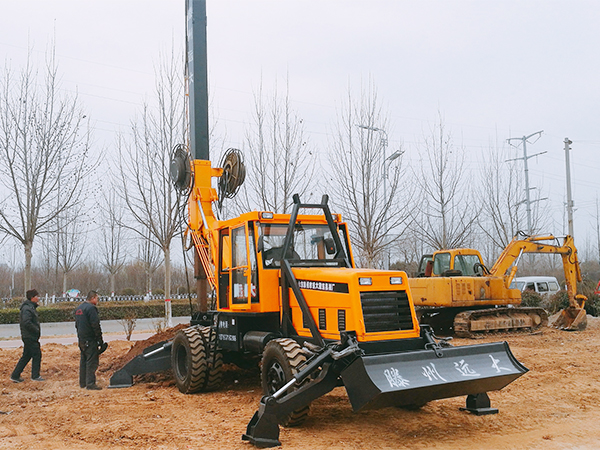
pixel 253 266
pixel 441 263
pixel 244 277
pixel 425 266
pixel 466 264
pixel 224 266
pixel 312 242
pixel 239 263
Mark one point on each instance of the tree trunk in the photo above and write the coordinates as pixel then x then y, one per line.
pixel 28 245
pixel 167 253
pixel 112 277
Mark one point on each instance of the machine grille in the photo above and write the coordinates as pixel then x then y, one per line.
pixel 341 319
pixel 386 311
pixel 322 319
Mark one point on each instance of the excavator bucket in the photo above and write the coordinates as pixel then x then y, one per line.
pixel 415 378
pixel 571 319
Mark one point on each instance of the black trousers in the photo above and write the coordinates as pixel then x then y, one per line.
pixel 88 363
pixel 31 351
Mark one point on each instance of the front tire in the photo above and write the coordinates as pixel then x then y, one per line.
pixel 280 362
pixel 188 360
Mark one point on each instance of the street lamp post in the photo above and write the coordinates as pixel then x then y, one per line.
pixel 384 143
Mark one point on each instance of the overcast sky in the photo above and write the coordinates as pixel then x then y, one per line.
pixel 493 69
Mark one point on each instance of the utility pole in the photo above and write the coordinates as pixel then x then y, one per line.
pixel 524 140
pixel 570 203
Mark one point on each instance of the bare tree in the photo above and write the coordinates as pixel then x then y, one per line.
pixel 446 209
pixel 149 256
pixel 112 245
pixel 44 143
pixel 358 173
pixel 145 161
pixel 70 242
pixel 280 163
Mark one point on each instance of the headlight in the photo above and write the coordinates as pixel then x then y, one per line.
pixel 365 281
pixel 395 280
pixel 266 215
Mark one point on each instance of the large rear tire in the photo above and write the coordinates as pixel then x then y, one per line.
pixel 280 362
pixel 214 359
pixel 188 360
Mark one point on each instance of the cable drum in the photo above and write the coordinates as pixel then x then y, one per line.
pixel 181 168
pixel 234 174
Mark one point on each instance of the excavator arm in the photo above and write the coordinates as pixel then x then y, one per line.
pixel 572 318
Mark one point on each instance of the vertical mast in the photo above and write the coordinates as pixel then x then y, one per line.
pixel 197 74
pixel 197 84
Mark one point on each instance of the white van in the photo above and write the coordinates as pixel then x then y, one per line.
pixel 541 285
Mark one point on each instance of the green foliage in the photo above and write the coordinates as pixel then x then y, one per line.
pixel 531 298
pixel 592 305
pixel 560 300
pixel 12 303
pixel 128 291
pixel 107 311
pixel 158 292
pixel 556 302
pixel 9 316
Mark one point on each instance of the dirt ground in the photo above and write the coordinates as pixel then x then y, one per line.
pixel 554 406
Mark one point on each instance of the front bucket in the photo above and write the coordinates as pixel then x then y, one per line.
pixel 415 378
pixel 571 319
pixel 153 359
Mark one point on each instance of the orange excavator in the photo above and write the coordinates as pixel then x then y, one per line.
pixel 455 291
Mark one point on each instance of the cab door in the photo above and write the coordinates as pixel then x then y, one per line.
pixel 241 273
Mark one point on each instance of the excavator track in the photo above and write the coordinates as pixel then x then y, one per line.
pixel 471 324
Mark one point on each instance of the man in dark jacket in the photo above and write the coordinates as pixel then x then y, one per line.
pixel 91 344
pixel 30 334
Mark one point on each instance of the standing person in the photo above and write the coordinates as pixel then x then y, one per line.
pixel 30 334
pixel 91 344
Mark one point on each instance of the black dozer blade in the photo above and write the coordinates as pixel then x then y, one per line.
pixel 415 378
pixel 155 358
pixel 410 378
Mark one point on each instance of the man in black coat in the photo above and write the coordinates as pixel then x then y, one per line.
pixel 91 344
pixel 30 334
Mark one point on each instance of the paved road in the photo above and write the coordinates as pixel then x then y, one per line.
pixel 64 332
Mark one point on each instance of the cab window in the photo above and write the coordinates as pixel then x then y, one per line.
pixel 441 263
pixel 466 264
pixel 312 242
pixel 239 262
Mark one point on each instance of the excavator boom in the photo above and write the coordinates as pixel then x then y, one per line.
pixel 572 318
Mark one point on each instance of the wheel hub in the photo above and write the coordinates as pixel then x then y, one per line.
pixel 275 377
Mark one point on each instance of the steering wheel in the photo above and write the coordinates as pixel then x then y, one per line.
pixel 479 269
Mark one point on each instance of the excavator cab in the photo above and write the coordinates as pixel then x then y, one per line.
pixel 455 262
